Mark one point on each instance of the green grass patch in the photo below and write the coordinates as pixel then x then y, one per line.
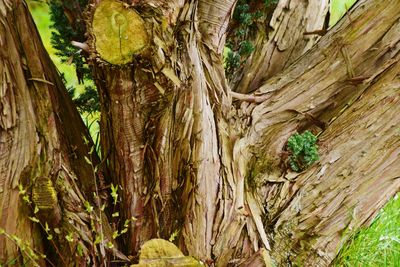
pixel 377 245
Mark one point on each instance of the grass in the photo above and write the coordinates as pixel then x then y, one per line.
pixel 377 245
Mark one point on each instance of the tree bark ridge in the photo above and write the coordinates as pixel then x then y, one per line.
pixel 360 164
pixel 281 41
pixel 44 175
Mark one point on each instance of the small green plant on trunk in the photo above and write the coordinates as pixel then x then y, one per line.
pixel 303 150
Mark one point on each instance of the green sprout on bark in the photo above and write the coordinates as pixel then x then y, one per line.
pixel 303 150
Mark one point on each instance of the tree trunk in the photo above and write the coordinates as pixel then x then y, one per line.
pixel 193 157
pixel 46 160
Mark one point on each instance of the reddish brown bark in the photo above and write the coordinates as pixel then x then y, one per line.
pixel 42 151
pixel 192 162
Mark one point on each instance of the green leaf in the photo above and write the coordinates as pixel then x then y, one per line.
pixel 173 236
pixel 110 244
pixel 91 150
pixel 103 207
pixel 69 237
pixel 34 219
pixel 98 239
pixel 87 160
pixel 114 193
pixel 46 227
pixel 88 207
pixel 26 199
pixel 21 189
pixel 79 249
pixel 115 234
pixel 85 140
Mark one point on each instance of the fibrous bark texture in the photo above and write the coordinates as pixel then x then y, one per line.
pixel 345 89
pixel 197 159
pixel 280 40
pixel 188 158
pixel 44 177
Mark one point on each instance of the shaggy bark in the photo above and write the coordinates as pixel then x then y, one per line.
pixel 199 152
pixel 334 91
pixel 191 162
pixel 280 39
pixel 44 174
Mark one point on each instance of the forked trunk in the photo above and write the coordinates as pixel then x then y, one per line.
pixel 195 159
pixel 184 153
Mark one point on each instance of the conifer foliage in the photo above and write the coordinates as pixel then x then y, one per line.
pixel 62 36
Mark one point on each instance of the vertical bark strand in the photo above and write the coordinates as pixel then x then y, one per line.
pixel 204 162
pixel 126 97
pixel 219 221
pixel 18 142
pixel 214 18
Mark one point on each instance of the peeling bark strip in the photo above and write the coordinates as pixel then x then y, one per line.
pixel 280 41
pixel 214 18
pixel 191 164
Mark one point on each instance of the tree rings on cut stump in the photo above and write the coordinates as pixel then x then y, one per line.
pixel 119 32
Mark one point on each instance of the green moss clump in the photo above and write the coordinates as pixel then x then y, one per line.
pixel 303 149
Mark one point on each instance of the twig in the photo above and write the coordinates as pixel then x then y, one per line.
pixel 40 80
pixel 83 46
pixel 249 98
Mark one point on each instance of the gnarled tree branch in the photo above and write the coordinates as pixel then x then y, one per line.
pixel 346 106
